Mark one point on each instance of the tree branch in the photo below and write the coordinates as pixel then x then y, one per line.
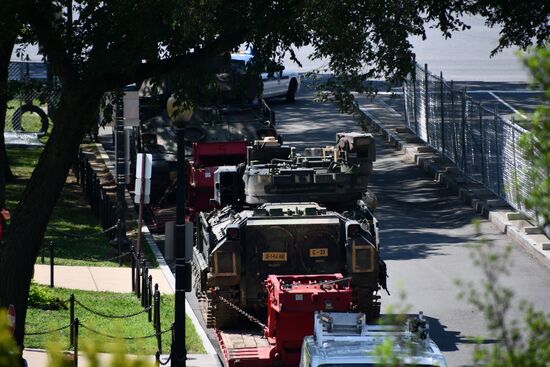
pixel 113 78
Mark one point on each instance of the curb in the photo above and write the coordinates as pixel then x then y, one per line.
pixel 490 206
pixel 166 271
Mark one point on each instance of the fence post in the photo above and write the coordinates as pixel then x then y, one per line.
pixel 453 122
pixel 442 112
pixel 71 313
pixel 120 248
pixel 77 166
pixel 156 316
pixel 94 193
pixel 157 359
pixel 516 185
pixel 499 171
pixel 405 99
pixel 150 298
pixel 138 275
pixel 144 283
pixel 133 256
pixel 482 146
pixel 414 99
pixel 75 345
pixel 172 344
pixel 426 101
pixel 51 265
pixel 463 131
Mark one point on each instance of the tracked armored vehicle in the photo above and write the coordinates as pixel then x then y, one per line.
pixel 285 214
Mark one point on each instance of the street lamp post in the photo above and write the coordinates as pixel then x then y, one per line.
pixel 183 254
pixel 179 349
pixel 121 239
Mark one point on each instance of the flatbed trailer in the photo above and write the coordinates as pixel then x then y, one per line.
pixel 309 324
pixel 292 301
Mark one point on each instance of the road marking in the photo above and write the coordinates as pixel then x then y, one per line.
pixel 507 105
pixel 513 91
pixel 477 91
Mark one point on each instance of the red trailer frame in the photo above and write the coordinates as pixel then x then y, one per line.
pixel 292 301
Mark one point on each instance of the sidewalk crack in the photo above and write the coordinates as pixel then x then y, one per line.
pixel 93 279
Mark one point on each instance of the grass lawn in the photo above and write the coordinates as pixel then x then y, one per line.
pixel 74 230
pixel 108 303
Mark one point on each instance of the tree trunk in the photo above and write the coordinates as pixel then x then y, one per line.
pixel 6 175
pixel 29 221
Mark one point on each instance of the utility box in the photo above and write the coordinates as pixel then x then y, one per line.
pixel 169 240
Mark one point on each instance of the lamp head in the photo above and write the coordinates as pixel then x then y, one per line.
pixel 179 115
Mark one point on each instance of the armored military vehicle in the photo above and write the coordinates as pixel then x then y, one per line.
pixel 288 213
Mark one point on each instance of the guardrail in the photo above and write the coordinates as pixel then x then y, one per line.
pixel 482 144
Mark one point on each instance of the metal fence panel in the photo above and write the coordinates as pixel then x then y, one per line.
pixel 29 109
pixel 478 141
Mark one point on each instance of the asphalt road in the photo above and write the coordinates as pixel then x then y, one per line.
pixel 465 56
pixel 425 236
pixel 512 101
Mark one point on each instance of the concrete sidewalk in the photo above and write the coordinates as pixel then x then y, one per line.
pixel 95 278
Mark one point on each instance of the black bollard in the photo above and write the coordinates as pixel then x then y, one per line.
pixel 51 264
pixel 75 351
pixel 144 282
pixel 156 322
pixel 71 315
pixel 133 256
pixel 150 298
pixel 138 276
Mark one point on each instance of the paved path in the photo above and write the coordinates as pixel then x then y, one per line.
pixel 39 358
pixel 95 278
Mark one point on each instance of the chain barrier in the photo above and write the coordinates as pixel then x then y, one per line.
pixel 91 234
pixel 49 331
pixel 108 259
pixel 124 337
pixel 112 316
pixel 241 311
pixel 166 361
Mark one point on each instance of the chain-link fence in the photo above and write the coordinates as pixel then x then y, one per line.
pixel 33 98
pixel 483 145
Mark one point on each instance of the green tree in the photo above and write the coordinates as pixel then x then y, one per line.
pixel 536 143
pixel 97 46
